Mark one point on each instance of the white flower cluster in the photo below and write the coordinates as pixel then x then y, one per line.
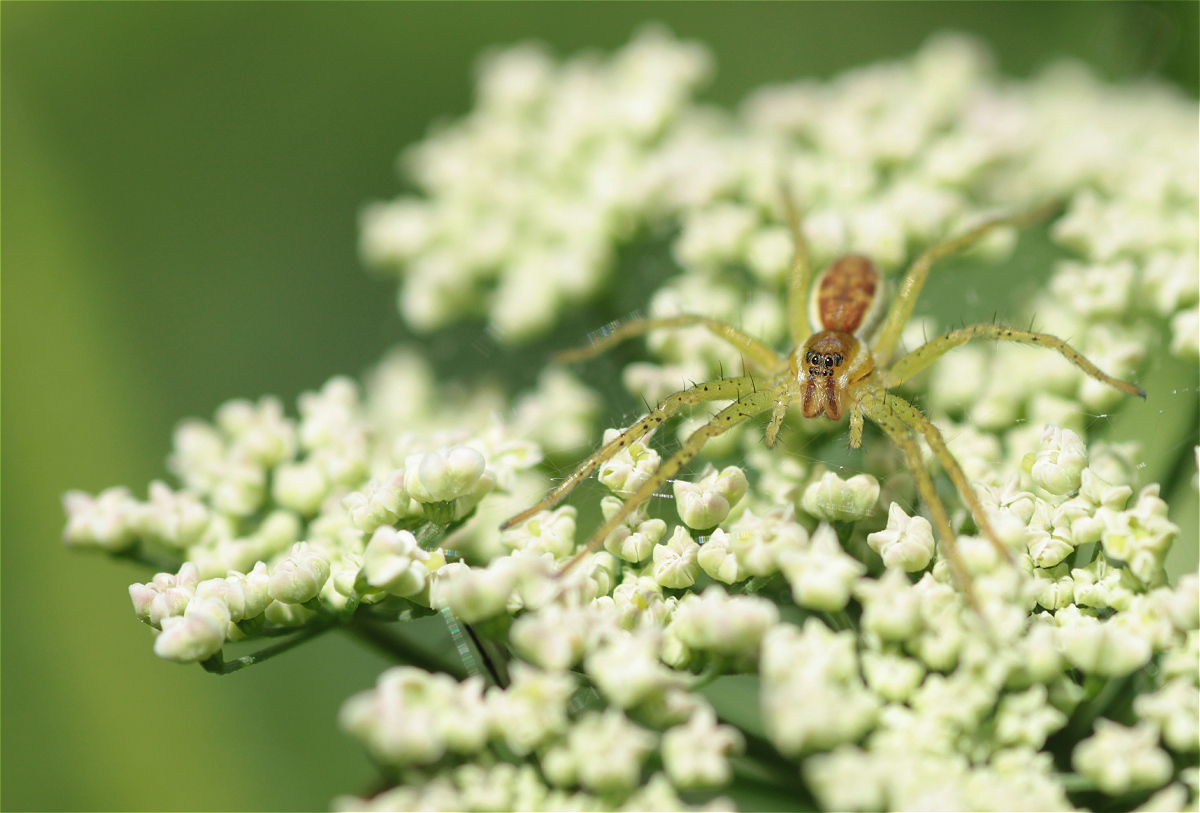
pixel 880 682
pixel 276 512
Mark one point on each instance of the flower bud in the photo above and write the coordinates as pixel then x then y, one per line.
pixel 836 500
pixel 301 487
pixel 1057 466
pixel 300 576
pixel 907 543
pixel 675 563
pixel 706 503
pixel 442 475
pixel 190 638
pixel 393 562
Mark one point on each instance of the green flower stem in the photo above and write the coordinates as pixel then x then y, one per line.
pixel 219 666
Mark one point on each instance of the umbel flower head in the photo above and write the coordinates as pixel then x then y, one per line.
pixel 788 629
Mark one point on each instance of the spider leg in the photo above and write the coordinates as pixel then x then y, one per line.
pixel 880 410
pixel 906 299
pixel 758 353
pixel 801 278
pixel 926 354
pixel 726 389
pixel 736 413
pixel 899 409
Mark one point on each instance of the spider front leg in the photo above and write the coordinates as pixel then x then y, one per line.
pixel 727 389
pixel 880 407
pixel 736 413
pixel 931 351
pixel 914 280
pixel 757 353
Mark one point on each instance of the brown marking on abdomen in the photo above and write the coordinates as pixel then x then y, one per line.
pixel 846 292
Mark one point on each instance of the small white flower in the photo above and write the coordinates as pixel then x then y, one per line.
pixel 706 503
pixel 1139 536
pixel 1175 709
pixel 550 532
pixel 190 638
pixel 726 625
pixel 627 670
pixel 846 778
pixel 532 709
pixel 382 502
pixel 1056 587
pixel 907 543
pixel 258 432
pixel 1104 648
pixel 1027 719
pixel 639 600
pixel 822 575
pixel 675 563
pixel 474 593
pixel 300 576
pixel 891 675
pixel 636 538
pixel 695 755
pixel 1120 759
pixel 178 518
pixel 395 563
pixel 166 595
pixel 891 607
pixel 718 561
pixel 553 637
pixel 836 500
pixel 108 521
pixel 443 475
pixel 1057 466
pixel 812 697
pixel 626 471
pixel 608 750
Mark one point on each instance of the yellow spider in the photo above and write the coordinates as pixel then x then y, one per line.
pixel 831 372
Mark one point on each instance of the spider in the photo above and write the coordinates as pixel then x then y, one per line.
pixel 839 368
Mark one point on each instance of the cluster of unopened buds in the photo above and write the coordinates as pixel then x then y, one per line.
pixel 784 623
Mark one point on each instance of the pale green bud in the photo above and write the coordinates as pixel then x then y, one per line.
pixel 1120 759
pixel 108 521
pixel 474 593
pixel 395 563
pixel 696 755
pixel 891 607
pixel 301 487
pixel 1106 649
pixel 1175 709
pixel 727 625
pixel 675 563
pixel 821 575
pixel 443 475
pixel 300 576
pixel 634 540
pixel 608 750
pixel 836 500
pixel 907 543
pixel 626 471
pixel 891 675
pixel 718 561
pixel 1058 465
pixel 551 532
pixel 706 503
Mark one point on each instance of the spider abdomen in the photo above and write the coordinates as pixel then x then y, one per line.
pixel 847 296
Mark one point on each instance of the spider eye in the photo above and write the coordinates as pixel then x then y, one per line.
pixel 837 359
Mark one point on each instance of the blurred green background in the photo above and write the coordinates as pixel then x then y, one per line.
pixel 181 184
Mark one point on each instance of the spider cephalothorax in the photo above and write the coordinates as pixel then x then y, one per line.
pixel 845 368
pixel 829 363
